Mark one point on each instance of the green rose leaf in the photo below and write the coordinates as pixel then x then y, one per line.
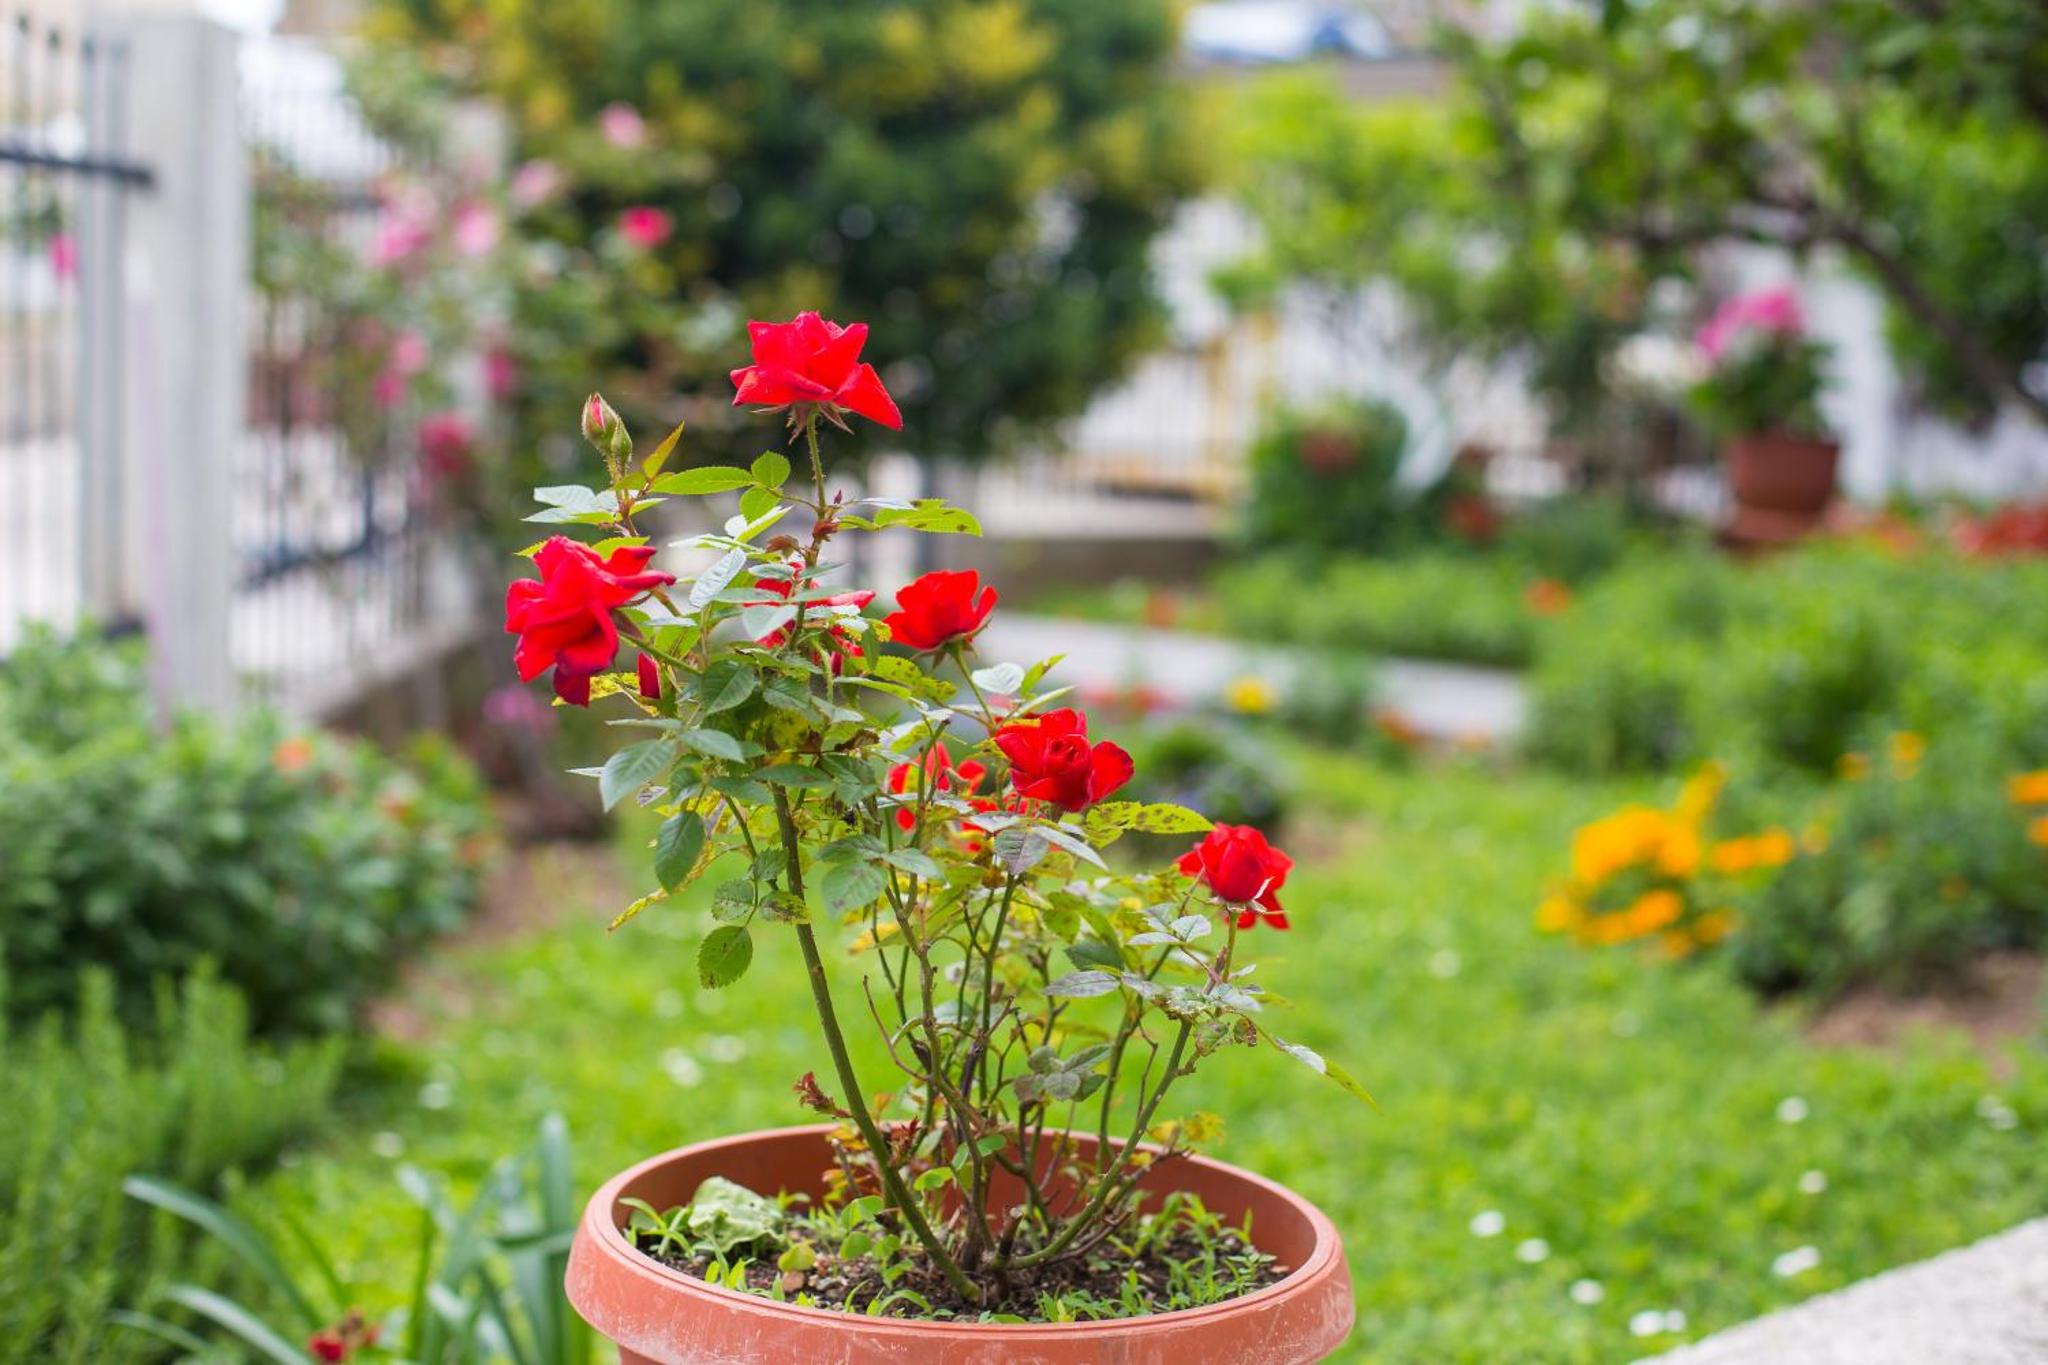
pixel 733 901
pixel 653 464
pixel 714 743
pixel 1019 849
pixel 1082 985
pixel 851 885
pixel 758 502
pixel 725 955
pixel 714 580
pixel 726 684
pixel 633 767
pixel 771 469
pixel 677 847
pixel 710 478
pixel 574 504
pixel 796 775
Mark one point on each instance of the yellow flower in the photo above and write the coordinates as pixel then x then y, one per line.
pixel 1696 799
pixel 1852 767
pixel 1558 913
pixel 1249 695
pixel 1907 748
pixel 2029 789
pixel 1679 855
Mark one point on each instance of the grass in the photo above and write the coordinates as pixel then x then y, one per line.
pixel 1627 1114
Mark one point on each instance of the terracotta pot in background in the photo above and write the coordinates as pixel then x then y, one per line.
pixel 1781 473
pixel 660 1316
pixel 1782 485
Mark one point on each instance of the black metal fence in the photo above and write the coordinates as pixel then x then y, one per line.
pixel 334 531
pixel 65 182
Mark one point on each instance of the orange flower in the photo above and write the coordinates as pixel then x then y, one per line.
pixel 1546 597
pixel 292 755
pixel 1732 856
pixel 1654 910
pixel 2029 789
pixel 1907 749
pixel 1775 848
pixel 2037 831
pixel 1852 767
pixel 1631 837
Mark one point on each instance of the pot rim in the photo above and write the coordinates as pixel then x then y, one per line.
pixel 605 1234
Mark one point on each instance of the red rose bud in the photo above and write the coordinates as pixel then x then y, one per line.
pixel 809 362
pixel 603 428
pixel 650 678
pixel 1243 870
pixel 1050 760
pixel 940 608
pixel 564 621
pixel 326 1346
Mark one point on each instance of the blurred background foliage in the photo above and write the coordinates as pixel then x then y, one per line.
pixel 979 180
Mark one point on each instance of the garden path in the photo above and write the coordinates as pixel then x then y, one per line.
pixel 1985 1304
pixel 1453 702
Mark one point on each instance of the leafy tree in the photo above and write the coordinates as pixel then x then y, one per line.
pixel 1911 138
pixel 981 179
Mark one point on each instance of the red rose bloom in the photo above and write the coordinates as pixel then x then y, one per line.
pixel 564 620
pixel 327 1346
pixel 939 608
pixel 1243 870
pixel 1050 760
pixel 941 774
pixel 808 360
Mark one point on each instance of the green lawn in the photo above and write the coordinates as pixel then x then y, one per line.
pixel 1625 1113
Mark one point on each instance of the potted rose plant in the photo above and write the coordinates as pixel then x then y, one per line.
pixel 1016 1189
pixel 1761 396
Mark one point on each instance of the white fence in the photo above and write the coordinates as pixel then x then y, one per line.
pixel 170 451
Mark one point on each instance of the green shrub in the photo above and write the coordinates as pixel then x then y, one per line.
pixel 85 1107
pixel 1215 768
pixel 1574 539
pixel 302 865
pixel 1793 661
pixel 1323 478
pixel 1431 604
pixel 1924 866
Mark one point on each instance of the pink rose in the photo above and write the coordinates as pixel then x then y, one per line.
pixel 64 255
pixel 645 226
pixel 534 183
pixel 476 229
pixel 622 126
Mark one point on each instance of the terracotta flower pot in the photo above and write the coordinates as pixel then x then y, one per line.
pixel 1776 472
pixel 660 1316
